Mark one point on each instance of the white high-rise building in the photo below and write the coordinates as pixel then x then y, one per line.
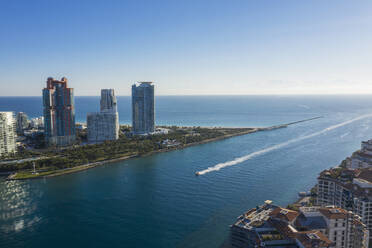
pixel 7 133
pixel 108 101
pixel 104 125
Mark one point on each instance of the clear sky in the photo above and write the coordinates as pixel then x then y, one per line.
pixel 187 47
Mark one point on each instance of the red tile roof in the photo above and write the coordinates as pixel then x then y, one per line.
pixel 334 213
pixel 284 214
pixel 310 239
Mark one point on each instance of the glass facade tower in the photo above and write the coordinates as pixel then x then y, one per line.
pixel 59 113
pixel 143 108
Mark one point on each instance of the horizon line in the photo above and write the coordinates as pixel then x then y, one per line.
pixel 278 94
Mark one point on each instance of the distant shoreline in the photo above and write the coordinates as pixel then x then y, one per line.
pixel 22 175
pixel 87 166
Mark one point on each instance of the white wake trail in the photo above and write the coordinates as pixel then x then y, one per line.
pixel 219 166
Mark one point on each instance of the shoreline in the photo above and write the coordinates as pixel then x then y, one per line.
pixel 53 173
pixel 83 167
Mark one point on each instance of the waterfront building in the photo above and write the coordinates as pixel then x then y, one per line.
pixel 344 228
pixel 7 133
pixel 37 122
pixel 108 101
pixel 59 113
pixel 348 189
pixel 361 158
pixel 22 122
pixel 104 125
pixel 273 226
pixel 143 108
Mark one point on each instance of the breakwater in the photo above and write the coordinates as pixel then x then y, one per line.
pixel 287 124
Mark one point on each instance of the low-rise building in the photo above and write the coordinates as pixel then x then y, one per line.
pixel 170 143
pixel 273 226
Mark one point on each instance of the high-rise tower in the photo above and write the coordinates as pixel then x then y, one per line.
pixel 143 108
pixel 59 113
pixel 108 101
pixel 104 125
pixel 7 133
pixel 22 122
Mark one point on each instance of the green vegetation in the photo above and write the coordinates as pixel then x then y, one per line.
pixel 57 159
pixel 28 175
pixel 336 172
pixel 293 207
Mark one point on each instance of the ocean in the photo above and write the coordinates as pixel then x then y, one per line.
pixel 157 200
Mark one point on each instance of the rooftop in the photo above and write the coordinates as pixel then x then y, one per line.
pixel 284 214
pixel 365 174
pixel 256 217
pixel 310 239
pixel 279 227
pixel 334 213
pixel 143 84
pixel 311 222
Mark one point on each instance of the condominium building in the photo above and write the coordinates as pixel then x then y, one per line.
pixel 143 108
pixel 348 189
pixel 273 226
pixel 108 101
pixel 361 158
pixel 254 229
pixel 7 133
pixel 344 228
pixel 104 125
pixel 22 122
pixel 59 113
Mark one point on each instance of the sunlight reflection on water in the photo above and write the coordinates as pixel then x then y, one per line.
pixel 17 204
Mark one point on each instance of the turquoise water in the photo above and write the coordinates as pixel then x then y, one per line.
pixel 157 201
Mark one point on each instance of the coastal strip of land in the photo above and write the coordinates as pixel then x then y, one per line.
pixel 65 161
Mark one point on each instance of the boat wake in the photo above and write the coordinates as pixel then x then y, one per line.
pixel 239 160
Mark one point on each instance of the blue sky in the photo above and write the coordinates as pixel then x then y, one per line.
pixel 187 47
